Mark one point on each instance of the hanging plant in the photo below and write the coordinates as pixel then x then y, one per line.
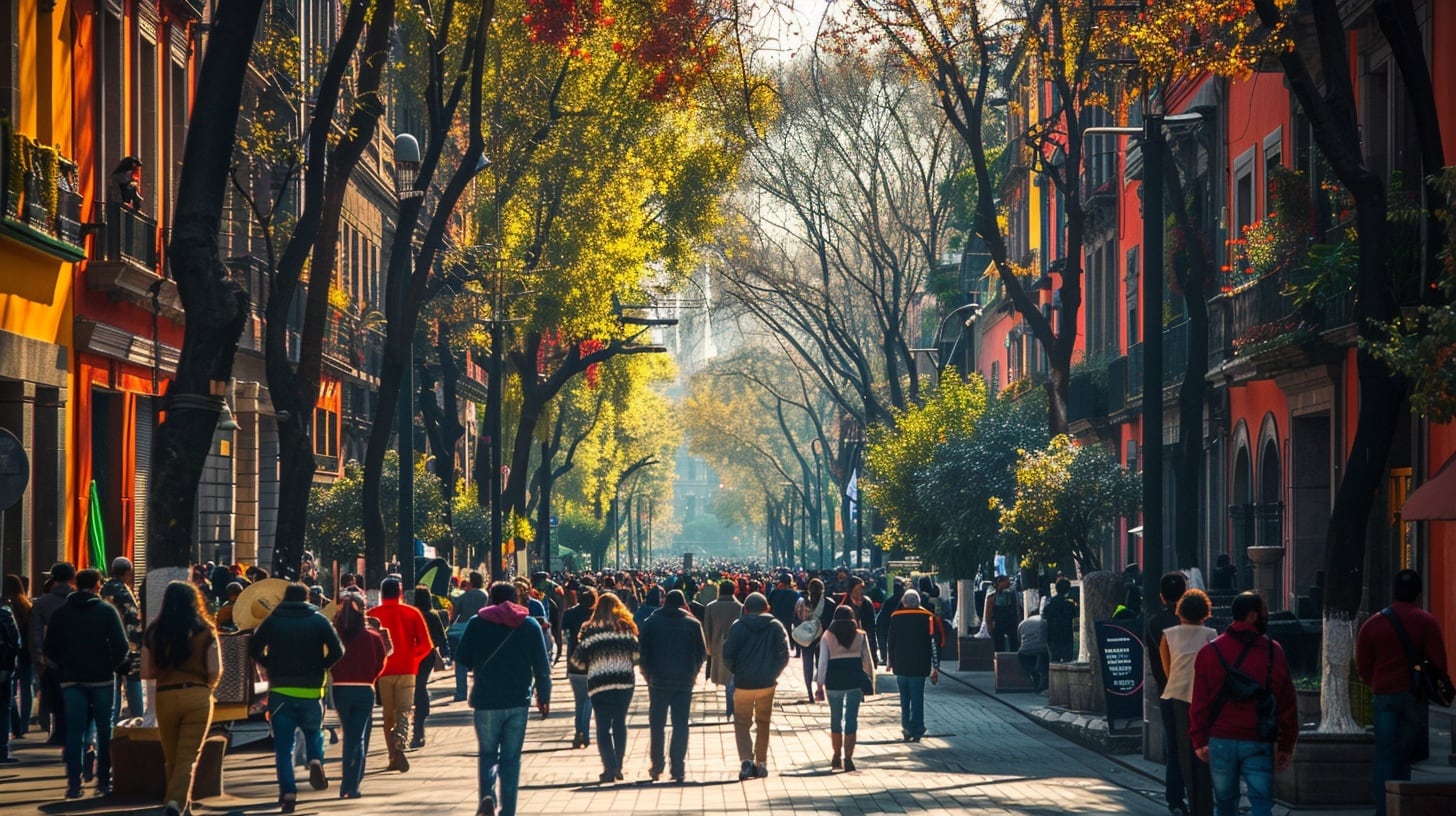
pixel 19 156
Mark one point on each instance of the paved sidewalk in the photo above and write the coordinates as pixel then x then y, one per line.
pixel 1436 769
pixel 979 755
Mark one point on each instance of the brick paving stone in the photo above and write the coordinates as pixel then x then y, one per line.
pixel 979 755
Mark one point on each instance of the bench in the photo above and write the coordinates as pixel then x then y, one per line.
pixel 139 769
pixel 1420 798
pixel 1010 676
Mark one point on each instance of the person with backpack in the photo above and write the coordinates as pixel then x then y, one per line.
pixel 811 608
pixel 11 647
pixel 1242 720
pixel 1390 646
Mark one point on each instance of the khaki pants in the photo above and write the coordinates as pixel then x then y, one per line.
pixel 752 706
pixel 397 695
pixel 183 717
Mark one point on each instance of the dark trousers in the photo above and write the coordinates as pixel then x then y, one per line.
pixel 422 696
pixel 810 657
pixel 661 704
pixel 52 706
pixel 355 705
pixel 610 708
pixel 1035 666
pixel 1197 776
pixel 1172 766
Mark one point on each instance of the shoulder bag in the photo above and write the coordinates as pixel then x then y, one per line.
pixel 809 631
pixel 1428 683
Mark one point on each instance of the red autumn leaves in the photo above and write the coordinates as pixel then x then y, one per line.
pixel 668 43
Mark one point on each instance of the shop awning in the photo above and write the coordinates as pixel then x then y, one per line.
pixel 1436 499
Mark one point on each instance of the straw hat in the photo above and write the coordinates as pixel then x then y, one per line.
pixel 257 602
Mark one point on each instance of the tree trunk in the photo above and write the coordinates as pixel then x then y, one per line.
pixel 215 305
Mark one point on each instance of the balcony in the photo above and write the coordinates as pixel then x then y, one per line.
pixel 1258 326
pixel 1135 370
pixel 127 260
pixel 1117 385
pixel 38 205
pixel 1087 396
pixel 1175 353
pixel 341 348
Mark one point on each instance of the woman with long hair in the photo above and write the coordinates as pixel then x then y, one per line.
pixel 864 611
pixel 16 711
pixel 607 651
pixel 811 608
pixel 180 652
pixel 424 602
pixel 353 678
pixel 846 670
pixel 1179 649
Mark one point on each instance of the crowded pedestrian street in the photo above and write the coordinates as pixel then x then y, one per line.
pixel 979 755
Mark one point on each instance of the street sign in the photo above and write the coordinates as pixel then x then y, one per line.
pixel 555 520
pixel 1121 653
pixel 14 469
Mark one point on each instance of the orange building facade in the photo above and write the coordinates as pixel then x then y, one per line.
pixel 1282 398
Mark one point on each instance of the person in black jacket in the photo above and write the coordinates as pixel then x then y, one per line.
pixel 424 602
pixel 672 653
pixel 296 644
pixel 882 620
pixel 571 622
pixel 915 641
pixel 756 652
pixel 864 614
pixel 85 645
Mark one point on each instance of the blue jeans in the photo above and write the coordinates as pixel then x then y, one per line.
pixel 289 715
pixel 462 673
pixel 85 706
pixel 662 703
pixel 1390 760
pixel 844 707
pixel 129 690
pixel 582 706
pixel 500 732
pixel 728 693
pixel 912 705
pixel 1253 761
pixel 355 705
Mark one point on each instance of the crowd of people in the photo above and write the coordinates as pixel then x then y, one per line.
pixel 80 657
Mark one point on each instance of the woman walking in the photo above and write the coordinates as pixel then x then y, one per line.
pixel 423 602
pixel 1179 649
pixel 846 672
pixel 17 711
pixel 353 678
pixel 180 652
pixel 571 623
pixel 607 651
pixel 864 611
pixel 807 609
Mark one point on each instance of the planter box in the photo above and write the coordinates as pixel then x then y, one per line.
pixel 1420 798
pixel 1071 686
pixel 1010 676
pixel 1327 769
pixel 138 769
pixel 977 654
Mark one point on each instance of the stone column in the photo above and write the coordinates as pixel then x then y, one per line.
pixel 1268 574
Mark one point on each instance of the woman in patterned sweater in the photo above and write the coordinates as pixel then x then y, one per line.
pixel 607 651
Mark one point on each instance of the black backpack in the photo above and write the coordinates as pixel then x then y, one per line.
pixel 9 639
pixel 1242 688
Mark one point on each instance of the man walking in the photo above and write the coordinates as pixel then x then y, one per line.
pixel 86 646
pixel 469 603
pixel 117 592
pixel 882 620
pixel 781 602
pixel 672 651
pixel 915 642
pixel 410 638
pixel 62 584
pixel 718 618
pixel 296 644
pixel 1243 733
pixel 756 652
pixel 1390 644
pixel 505 649
pixel 11 646
pixel 1170 589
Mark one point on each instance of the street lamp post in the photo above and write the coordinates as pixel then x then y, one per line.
pixel 817 448
pixel 406 171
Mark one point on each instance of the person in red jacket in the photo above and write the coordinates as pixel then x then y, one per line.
pixel 1384 664
pixel 410 638
pixel 354 677
pixel 1223 731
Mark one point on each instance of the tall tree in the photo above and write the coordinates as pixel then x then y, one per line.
pixel 216 306
pixel 1317 70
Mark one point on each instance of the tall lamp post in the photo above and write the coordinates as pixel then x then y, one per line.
pixel 1154 144
pixel 406 171
pixel 817 447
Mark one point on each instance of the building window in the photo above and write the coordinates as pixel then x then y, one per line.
pixel 325 432
pixel 1132 296
pixel 1244 203
pixel 1273 158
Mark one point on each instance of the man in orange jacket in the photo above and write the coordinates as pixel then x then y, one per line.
pixel 410 639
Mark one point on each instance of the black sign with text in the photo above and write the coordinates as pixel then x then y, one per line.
pixel 1120 653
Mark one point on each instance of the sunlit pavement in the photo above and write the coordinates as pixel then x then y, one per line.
pixel 979 755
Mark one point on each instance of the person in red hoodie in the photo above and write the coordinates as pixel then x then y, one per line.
pixel 1224 731
pixel 410 638
pixel 1382 659
pixel 354 676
